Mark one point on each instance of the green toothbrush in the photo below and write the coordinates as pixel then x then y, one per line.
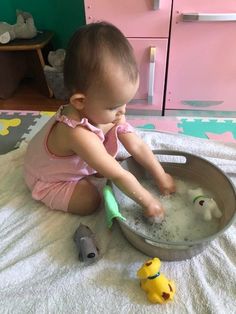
pixel 111 206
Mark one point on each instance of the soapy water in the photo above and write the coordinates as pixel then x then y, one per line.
pixel 181 222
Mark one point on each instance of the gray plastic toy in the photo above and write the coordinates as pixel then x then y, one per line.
pixel 86 243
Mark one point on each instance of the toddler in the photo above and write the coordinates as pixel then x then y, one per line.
pixel 81 140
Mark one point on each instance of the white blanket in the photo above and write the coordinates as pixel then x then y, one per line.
pixel 39 267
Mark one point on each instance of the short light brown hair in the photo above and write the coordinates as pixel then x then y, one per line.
pixel 84 62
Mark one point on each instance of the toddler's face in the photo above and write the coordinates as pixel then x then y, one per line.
pixel 109 105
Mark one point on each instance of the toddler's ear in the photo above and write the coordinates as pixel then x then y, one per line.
pixel 78 101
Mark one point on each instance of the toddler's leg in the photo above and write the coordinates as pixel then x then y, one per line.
pixel 85 198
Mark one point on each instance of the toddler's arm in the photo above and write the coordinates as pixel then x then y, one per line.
pixel 88 146
pixel 144 156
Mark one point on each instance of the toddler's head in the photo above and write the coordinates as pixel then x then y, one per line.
pixel 100 70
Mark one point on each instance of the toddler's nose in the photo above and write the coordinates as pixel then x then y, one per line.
pixel 122 110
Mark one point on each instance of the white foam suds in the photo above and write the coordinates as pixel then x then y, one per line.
pixel 181 222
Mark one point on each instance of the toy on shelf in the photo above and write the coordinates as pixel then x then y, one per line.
pixel 158 288
pixel 86 243
pixel 204 205
pixel 54 73
pixel 56 60
pixel 23 29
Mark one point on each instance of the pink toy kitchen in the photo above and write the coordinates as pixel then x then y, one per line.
pixel 185 49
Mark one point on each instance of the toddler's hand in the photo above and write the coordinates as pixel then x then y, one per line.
pixel 155 210
pixel 166 184
pixel 98 175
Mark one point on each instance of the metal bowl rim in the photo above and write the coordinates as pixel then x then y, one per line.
pixel 195 242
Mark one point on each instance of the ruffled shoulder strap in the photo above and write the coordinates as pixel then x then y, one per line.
pixel 74 123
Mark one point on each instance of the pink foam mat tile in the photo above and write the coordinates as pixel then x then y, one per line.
pixel 223 137
pixel 162 124
pixel 20 112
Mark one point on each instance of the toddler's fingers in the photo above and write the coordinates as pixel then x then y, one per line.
pixel 158 215
pixel 167 191
pixel 155 219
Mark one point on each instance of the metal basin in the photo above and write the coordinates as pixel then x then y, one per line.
pixel 189 167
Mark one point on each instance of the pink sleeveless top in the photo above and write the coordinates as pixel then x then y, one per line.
pixel 41 165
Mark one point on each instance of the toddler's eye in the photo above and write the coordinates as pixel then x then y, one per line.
pixel 115 107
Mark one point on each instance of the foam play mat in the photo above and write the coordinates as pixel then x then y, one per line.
pixel 16 126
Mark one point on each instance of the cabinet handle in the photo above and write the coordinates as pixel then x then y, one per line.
pixel 151 80
pixel 208 17
pixel 156 4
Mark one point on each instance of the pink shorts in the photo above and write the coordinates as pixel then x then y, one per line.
pixel 55 195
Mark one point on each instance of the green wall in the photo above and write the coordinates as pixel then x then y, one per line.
pixel 61 16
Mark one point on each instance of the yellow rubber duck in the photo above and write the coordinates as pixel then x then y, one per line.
pixel 158 288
